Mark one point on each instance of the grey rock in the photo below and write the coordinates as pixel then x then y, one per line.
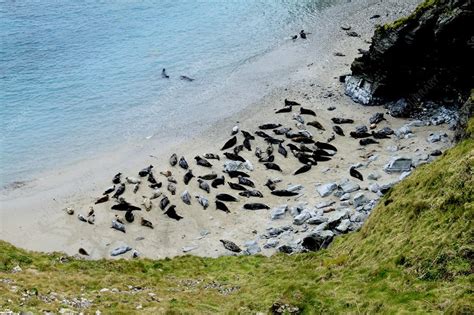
pixel 403 131
pixel 374 187
pixel 404 175
pixel 358 216
pixel 343 226
pixel 317 220
pixel 359 90
pixel 344 204
pixel 349 186
pixel 271 243
pixel 278 212
pixel 376 118
pixel 302 217
pixel 345 197
pixel 189 248
pixel 324 204
pixel 335 217
pixel 373 176
pixel 400 108
pixel 252 248
pixel 326 189
pixel 317 241
pixel 398 165
pixel 360 199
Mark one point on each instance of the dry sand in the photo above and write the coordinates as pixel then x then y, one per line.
pixel 32 216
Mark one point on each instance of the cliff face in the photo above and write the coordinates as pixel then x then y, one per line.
pixel 426 57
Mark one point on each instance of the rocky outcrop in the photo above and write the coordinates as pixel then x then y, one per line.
pixel 418 61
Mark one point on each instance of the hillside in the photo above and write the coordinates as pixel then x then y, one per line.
pixel 415 254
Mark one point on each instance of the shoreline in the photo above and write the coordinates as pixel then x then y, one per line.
pixel 48 228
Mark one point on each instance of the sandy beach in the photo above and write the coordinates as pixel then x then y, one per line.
pixel 33 216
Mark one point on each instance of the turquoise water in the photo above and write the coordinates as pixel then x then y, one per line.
pixel 80 75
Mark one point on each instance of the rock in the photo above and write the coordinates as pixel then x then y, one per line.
pixel 295 188
pixel 399 109
pixel 436 137
pixel 326 189
pixel 336 216
pixel 403 131
pixel 404 175
pixel 278 212
pixel 17 269
pixel 189 248
pixel 373 176
pixel 398 165
pixel 317 241
pixel 349 186
pixel 343 226
pixel 436 153
pixel 370 205
pixel 324 204
pixel 302 217
pixel 417 123
pixel 358 216
pixel 271 243
pixel 360 199
pixel 359 90
pixel 345 197
pixel 231 165
pixel 352 34
pixel 376 118
pixel 252 248
pixel 285 249
pixel 317 220
pixel 374 187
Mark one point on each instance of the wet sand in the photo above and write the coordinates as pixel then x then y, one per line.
pixel 32 216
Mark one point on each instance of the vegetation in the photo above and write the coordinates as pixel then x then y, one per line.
pixel 420 9
pixel 414 255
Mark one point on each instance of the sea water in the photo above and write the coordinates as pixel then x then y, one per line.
pixel 81 76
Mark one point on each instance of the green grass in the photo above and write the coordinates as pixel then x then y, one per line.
pixel 420 9
pixel 414 255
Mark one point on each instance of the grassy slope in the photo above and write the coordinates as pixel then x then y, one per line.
pixel 415 254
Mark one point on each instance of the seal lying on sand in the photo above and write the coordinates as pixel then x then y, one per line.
pixel 171 213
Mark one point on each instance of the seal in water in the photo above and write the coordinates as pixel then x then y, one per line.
pixel 116 179
pixel 164 202
pixel 202 162
pixel 188 176
pixel 338 130
pixel 291 103
pixel 218 181
pixel 171 213
pixel 226 197
pixel 182 162
pixel 221 206
pixel 302 169
pixel 302 34
pixel 164 75
pixel 144 172
pixel 230 143
pixel 255 206
pixel 305 111
pixel 120 190
pixel 186 78
pixel 146 223
pixel 204 185
pixel 355 173
pixel 231 246
pixel 272 166
pixel 173 159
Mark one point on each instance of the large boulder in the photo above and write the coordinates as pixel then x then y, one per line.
pixel 426 56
